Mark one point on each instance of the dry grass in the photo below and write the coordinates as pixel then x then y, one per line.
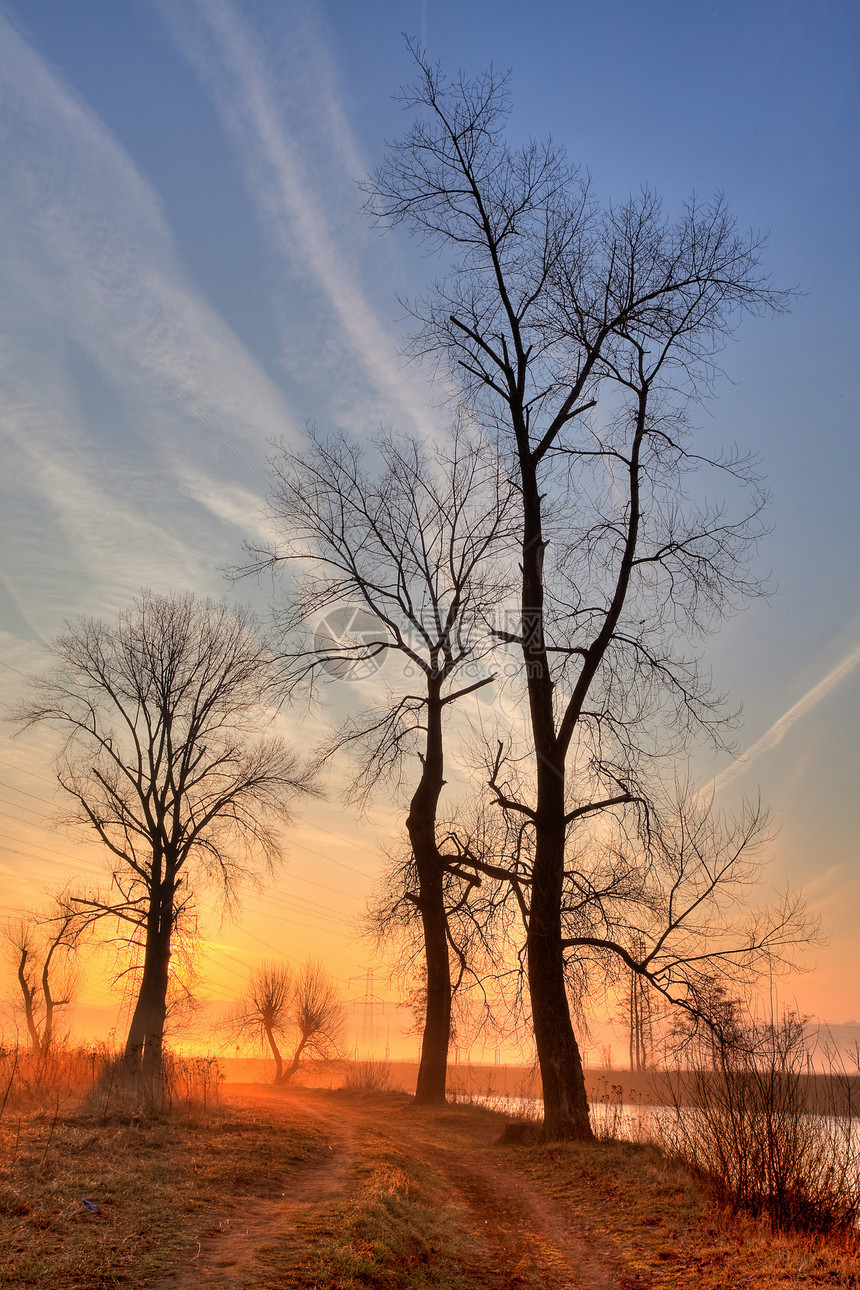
pixel 97 1079
pixel 147 1182
pixel 98 1195
pixel 665 1231
pixel 399 1223
pixel 397 1229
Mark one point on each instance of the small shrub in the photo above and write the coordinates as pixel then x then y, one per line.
pixel 368 1076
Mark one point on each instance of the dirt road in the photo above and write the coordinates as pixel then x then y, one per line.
pixel 294 1190
pixel 500 1231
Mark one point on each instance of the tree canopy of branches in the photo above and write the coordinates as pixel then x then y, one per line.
pixel 483 923
pixel 303 1010
pixel 406 564
pixel 163 761
pixel 675 912
pixel 42 950
pixel 580 336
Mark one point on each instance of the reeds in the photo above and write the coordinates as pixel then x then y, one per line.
pixel 768 1134
pixel 96 1082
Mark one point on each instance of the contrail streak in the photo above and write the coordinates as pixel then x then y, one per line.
pixel 781 727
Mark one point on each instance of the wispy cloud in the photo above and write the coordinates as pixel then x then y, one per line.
pixel 780 728
pixel 281 109
pixel 104 326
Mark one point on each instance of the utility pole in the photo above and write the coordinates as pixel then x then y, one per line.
pixel 368 1030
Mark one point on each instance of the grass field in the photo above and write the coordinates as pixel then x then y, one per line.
pixel 274 1188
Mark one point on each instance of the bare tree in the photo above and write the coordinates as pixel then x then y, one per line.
pixel 43 950
pixel 675 920
pixel 304 1011
pixel 318 1018
pixel 407 565
pixel 264 1009
pixel 163 760
pixel 482 916
pixel 580 336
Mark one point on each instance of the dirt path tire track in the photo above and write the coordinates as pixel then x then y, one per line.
pixel 225 1254
pixel 521 1239
pixel 529 1243
pixel 516 1237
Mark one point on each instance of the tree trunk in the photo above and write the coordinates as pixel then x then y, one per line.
pixel 48 997
pixel 145 1043
pixel 295 1061
pixel 432 1080
pixel 27 994
pixel 276 1053
pixel 564 1096
pixel 563 1082
pixel 48 1028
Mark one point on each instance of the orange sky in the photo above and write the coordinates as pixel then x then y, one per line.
pixel 313 905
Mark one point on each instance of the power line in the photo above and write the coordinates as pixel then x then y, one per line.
pixel 343 921
pixel 40 846
pixel 12 787
pixel 292 841
pixel 340 863
pixel 10 765
pixel 26 675
pixel 296 877
pixel 341 838
pixel 19 806
pixel 47 860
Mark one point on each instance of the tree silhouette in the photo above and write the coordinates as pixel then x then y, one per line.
pixel 163 761
pixel 303 1010
pixel 406 564
pixel 43 949
pixel 580 337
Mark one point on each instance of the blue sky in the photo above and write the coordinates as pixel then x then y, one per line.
pixel 187 275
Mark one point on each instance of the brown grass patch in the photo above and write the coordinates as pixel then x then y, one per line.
pixel 397 1229
pixel 658 1224
pixel 416 1187
pixel 148 1183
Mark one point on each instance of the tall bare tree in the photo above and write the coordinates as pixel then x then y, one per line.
pixel 580 336
pixel 406 564
pixel 163 760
